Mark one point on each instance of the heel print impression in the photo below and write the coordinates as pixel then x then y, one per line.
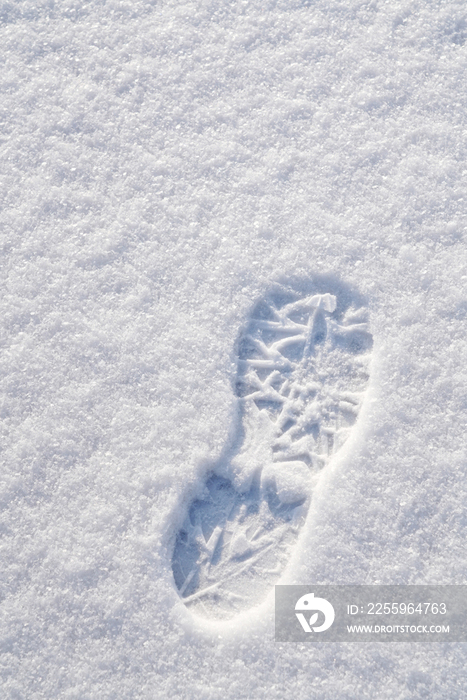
pixel 302 374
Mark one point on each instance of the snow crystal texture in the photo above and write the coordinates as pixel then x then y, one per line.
pixel 164 164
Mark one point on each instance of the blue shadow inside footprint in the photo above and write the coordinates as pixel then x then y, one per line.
pixel 297 364
pixel 214 520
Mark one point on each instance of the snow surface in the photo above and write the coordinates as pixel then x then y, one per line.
pixel 163 163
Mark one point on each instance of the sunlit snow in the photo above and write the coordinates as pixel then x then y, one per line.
pixel 163 163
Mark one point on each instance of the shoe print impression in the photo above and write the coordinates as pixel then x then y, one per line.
pixel 303 369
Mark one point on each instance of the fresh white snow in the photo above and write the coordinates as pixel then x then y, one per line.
pixel 162 164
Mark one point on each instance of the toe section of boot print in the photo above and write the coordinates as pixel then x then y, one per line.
pixel 303 370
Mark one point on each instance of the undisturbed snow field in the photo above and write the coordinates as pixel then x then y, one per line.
pixel 162 164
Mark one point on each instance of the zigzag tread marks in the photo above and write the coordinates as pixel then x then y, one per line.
pixel 302 368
